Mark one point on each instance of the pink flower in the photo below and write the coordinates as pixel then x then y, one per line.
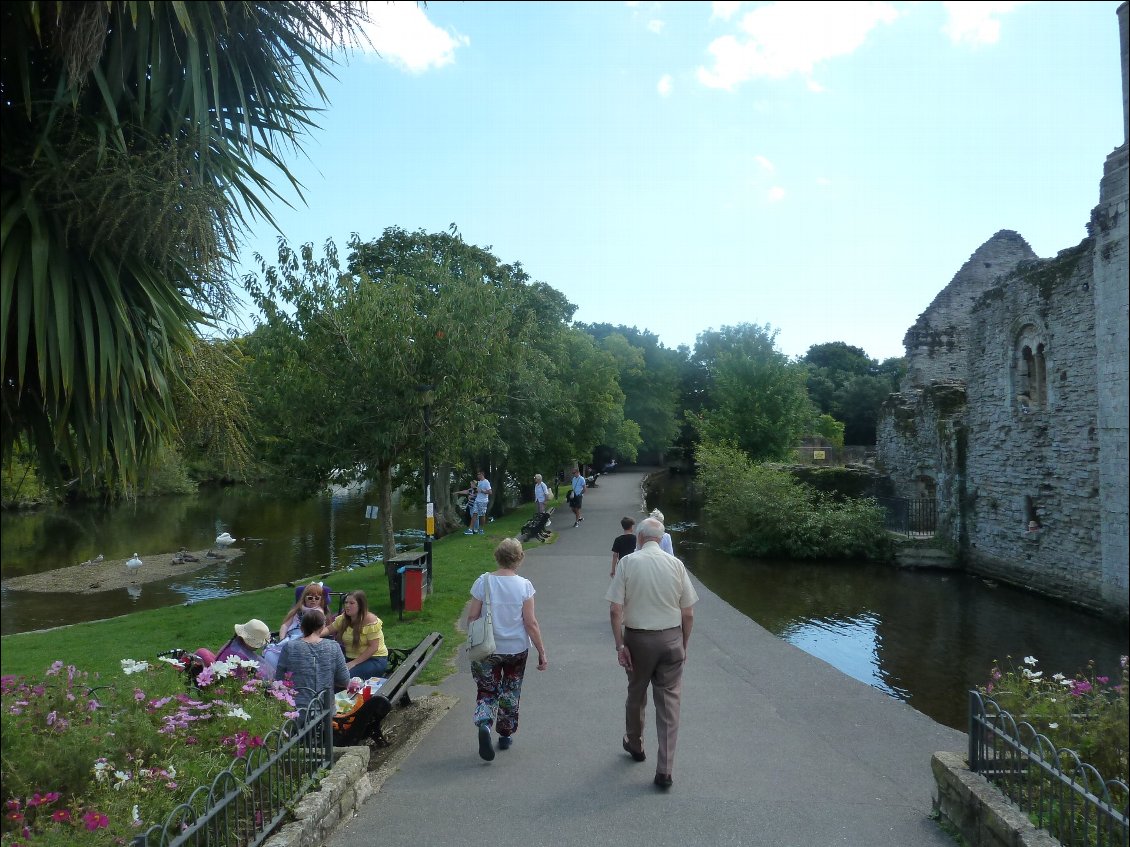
pixel 138 695
pixel 1102 680
pixel 60 815
pixel 95 820
pixel 55 668
pixel 1080 687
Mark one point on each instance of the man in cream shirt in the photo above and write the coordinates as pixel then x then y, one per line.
pixel 652 610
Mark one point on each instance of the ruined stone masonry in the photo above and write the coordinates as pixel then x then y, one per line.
pixel 1014 409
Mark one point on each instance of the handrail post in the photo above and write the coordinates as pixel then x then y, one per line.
pixel 974 730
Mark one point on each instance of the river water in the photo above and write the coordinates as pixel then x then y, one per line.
pixel 282 538
pixel 925 637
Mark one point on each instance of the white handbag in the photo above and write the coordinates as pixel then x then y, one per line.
pixel 480 632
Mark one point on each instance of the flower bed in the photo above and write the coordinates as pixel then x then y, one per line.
pixel 1086 713
pixel 100 759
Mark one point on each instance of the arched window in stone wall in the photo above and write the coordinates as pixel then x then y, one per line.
pixel 1029 369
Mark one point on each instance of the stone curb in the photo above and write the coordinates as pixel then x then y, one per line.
pixel 983 815
pixel 349 784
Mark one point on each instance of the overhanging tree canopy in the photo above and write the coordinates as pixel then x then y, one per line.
pixel 134 137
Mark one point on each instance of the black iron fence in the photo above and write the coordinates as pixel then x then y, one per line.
pixel 912 518
pixel 1060 793
pixel 246 802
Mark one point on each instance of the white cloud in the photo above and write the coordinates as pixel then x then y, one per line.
pixel 815 87
pixel 976 23
pixel 775 194
pixel 666 84
pixel 402 35
pixel 724 9
pixel 655 26
pixel 823 181
pixel 781 39
pixel 766 165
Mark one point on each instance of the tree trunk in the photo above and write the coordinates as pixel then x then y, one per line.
pixel 446 512
pixel 384 496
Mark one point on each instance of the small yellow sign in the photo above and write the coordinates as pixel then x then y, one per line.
pixel 818 454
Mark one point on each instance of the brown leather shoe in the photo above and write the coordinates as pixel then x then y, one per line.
pixel 663 780
pixel 637 755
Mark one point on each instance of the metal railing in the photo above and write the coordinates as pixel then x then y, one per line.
pixel 247 801
pixel 1060 793
pixel 912 518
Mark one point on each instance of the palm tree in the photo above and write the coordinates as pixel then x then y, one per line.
pixel 139 139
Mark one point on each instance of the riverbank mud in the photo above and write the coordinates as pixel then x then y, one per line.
pixel 112 574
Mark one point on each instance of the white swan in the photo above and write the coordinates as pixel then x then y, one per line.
pixel 134 563
pixel 224 540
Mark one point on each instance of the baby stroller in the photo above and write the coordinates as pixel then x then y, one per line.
pixel 536 527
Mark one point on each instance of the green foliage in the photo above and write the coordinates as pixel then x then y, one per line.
pixel 762 511
pixel 168 475
pixel 747 392
pixel 133 139
pixel 1086 713
pixel 830 429
pixel 844 383
pixel 649 376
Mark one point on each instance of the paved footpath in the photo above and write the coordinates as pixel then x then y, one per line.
pixel 776 747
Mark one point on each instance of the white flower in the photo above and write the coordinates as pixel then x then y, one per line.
pixel 130 666
pixel 237 712
pixel 1058 677
pixel 122 778
pixel 1067 683
pixel 1030 660
pixel 170 660
pixel 100 768
pixel 1032 674
pixel 239 661
pixel 136 816
pixel 1053 726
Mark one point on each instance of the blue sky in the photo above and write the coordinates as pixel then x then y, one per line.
pixel 823 168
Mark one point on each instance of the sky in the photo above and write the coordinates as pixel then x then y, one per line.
pixel 821 169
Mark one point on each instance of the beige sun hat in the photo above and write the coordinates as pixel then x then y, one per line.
pixel 254 632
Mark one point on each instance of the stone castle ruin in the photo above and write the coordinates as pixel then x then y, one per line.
pixel 1013 413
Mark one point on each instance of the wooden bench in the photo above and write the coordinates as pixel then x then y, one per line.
pixel 365 722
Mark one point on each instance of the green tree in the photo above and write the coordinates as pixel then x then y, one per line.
pixel 845 383
pixel 139 138
pixel 748 393
pixel 346 360
pixel 649 376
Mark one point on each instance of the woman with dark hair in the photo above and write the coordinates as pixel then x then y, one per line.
pixel 361 634
pixel 314 663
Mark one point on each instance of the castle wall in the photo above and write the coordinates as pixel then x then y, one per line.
pixel 1110 224
pixel 937 346
pixel 1032 468
pixel 1033 449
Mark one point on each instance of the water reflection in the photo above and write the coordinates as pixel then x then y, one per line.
pixel 924 637
pixel 283 538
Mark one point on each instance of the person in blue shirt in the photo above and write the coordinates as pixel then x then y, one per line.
pixel 578 495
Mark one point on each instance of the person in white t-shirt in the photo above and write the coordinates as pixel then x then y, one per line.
pixel 498 677
pixel 541 493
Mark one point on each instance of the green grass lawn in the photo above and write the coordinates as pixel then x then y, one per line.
pixel 100 646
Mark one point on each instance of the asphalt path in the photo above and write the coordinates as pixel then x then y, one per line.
pixel 775 747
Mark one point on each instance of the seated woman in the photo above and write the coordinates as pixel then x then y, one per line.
pixel 249 639
pixel 362 637
pixel 314 663
pixel 313 596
